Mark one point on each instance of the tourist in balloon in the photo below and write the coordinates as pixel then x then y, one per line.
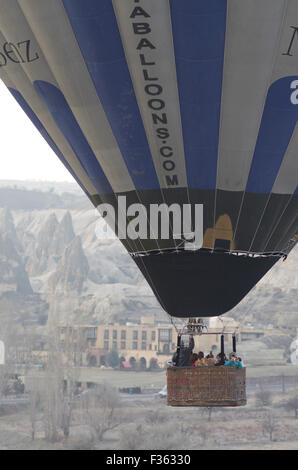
pixel 240 361
pixel 220 359
pixel 233 361
pixel 185 352
pixel 209 359
pixel 194 357
pixel 201 361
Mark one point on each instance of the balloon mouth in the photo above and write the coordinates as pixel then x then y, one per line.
pixel 205 282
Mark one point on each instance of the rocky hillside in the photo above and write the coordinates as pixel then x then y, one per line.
pixel 52 263
pixel 54 256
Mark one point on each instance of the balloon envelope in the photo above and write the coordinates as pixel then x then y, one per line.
pixel 171 102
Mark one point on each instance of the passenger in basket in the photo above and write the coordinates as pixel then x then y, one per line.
pixel 201 361
pixel 194 357
pixel 220 359
pixel 210 359
pixel 233 361
pixel 240 363
pixel 186 352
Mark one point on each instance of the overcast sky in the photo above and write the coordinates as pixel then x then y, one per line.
pixel 24 154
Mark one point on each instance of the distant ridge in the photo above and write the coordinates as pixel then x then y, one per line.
pixel 26 195
pixel 59 187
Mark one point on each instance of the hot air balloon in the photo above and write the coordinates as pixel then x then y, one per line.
pixel 176 102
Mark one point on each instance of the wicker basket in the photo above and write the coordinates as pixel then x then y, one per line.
pixel 206 386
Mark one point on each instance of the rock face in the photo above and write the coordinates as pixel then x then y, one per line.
pixel 74 275
pixel 52 240
pixel 7 224
pixel 38 262
pixel 7 228
pixel 13 277
pixel 62 236
pixel 72 270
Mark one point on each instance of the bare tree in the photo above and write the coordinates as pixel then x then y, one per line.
pixel 53 394
pixel 292 405
pixel 263 398
pixel 34 403
pixel 64 357
pixel 207 411
pixel 165 436
pixel 73 346
pixel 133 439
pixel 269 425
pixel 156 416
pixel 101 407
pixel 200 431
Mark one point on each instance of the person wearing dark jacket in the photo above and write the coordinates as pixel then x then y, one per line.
pixel 220 359
pixel 185 353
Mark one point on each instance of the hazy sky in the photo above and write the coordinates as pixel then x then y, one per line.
pixel 24 154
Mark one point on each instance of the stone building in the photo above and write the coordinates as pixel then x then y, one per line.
pixel 140 344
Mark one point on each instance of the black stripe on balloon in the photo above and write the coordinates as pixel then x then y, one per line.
pixel 285 235
pixel 252 211
pixel 275 208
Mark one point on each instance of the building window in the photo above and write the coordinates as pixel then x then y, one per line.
pixel 143 345
pixel 114 344
pixel 123 345
pixel 135 345
pixel 144 335
pixel 153 336
pixel 150 347
pixel 135 334
pixel 165 334
pixel 91 333
pixel 123 334
pixel 114 334
pixel 106 345
pixel 106 334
